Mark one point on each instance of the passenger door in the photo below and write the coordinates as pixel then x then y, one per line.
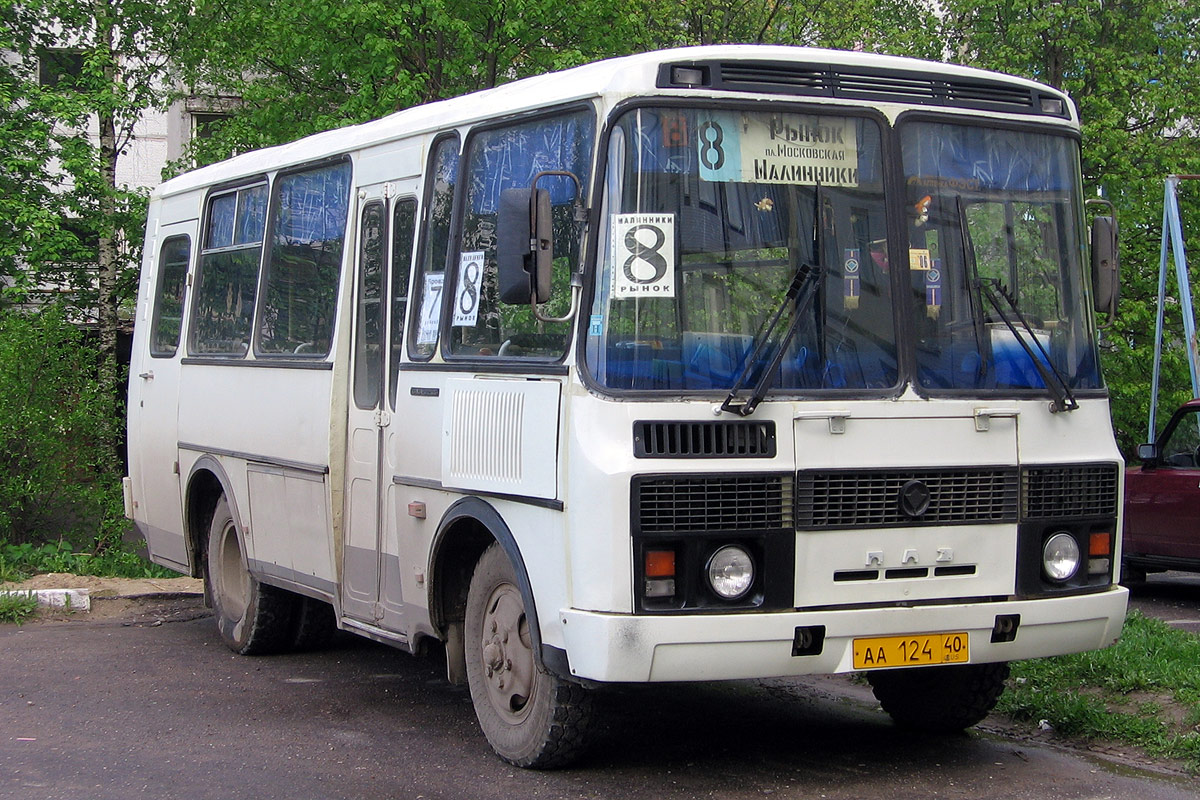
pixel 368 418
pixel 154 393
pixel 1162 503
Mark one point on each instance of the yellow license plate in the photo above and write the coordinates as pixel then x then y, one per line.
pixel 909 651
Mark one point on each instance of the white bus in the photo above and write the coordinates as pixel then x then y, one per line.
pixel 711 363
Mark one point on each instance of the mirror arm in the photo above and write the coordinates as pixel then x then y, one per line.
pixel 576 292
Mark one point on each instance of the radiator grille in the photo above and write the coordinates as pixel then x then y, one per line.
pixel 704 439
pixel 712 503
pixel 1077 490
pixel 872 498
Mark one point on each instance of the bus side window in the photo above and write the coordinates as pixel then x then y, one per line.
pixel 404 230
pixel 308 234
pixel 227 275
pixel 368 328
pixel 169 295
pixel 439 207
pixel 510 158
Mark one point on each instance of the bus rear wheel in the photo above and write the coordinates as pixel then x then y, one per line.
pixel 943 699
pixel 253 619
pixel 531 717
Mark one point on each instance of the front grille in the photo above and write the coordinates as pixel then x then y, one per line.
pixel 708 439
pixel 741 503
pixel 872 498
pixel 1076 490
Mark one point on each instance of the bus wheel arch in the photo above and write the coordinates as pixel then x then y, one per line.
pixel 207 483
pixel 468 528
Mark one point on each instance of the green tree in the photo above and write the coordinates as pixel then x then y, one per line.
pixel 76 80
pixel 309 66
pixel 1133 70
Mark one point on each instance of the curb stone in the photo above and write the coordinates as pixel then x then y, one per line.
pixel 74 599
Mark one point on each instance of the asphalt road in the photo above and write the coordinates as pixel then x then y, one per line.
pixel 1173 597
pixel 144 708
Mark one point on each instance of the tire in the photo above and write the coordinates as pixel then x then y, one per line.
pixel 253 619
pixel 1131 574
pixel 531 717
pixel 313 624
pixel 939 699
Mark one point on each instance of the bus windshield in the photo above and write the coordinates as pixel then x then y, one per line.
pixel 709 215
pixel 995 257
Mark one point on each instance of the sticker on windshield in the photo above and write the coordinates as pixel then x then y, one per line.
pixel 643 247
pixel 919 260
pixel 783 148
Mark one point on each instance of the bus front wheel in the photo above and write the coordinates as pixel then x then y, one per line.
pixel 943 699
pixel 253 619
pixel 531 717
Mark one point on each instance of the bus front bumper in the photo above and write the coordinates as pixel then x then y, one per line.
pixel 627 648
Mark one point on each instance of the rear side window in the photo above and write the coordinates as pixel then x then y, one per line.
pixel 307 237
pixel 169 293
pixel 227 277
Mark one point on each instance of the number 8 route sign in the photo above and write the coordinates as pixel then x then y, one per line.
pixel 643 247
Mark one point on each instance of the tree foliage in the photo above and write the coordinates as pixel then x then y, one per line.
pixel 56 466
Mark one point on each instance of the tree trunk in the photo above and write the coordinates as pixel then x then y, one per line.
pixel 108 249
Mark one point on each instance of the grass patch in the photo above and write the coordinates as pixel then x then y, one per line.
pixel 20 561
pixel 17 607
pixel 1143 691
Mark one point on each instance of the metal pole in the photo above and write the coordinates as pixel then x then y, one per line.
pixel 1158 319
pixel 1185 287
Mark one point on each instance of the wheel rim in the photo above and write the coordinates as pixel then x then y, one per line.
pixel 233 581
pixel 507 653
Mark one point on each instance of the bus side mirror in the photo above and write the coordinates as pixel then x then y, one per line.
pixel 1106 265
pixel 524 246
pixel 1148 453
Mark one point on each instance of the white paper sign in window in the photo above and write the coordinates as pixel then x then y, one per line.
pixel 431 308
pixel 782 148
pixel 643 248
pixel 470 282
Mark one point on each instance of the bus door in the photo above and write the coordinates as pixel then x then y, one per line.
pixel 154 393
pixel 368 559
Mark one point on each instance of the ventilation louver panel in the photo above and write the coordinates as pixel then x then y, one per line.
pixel 861 83
pixel 653 439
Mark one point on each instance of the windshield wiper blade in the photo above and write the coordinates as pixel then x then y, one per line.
pixel 799 295
pixel 1051 377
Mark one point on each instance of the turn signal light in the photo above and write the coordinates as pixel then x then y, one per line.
pixel 660 573
pixel 660 563
pixel 1100 544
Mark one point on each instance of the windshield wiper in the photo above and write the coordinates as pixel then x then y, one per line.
pixel 992 289
pixel 800 295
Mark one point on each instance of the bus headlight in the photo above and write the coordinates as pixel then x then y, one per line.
pixel 1060 557
pixel 731 572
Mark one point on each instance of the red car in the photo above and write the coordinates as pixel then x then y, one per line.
pixel 1162 500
